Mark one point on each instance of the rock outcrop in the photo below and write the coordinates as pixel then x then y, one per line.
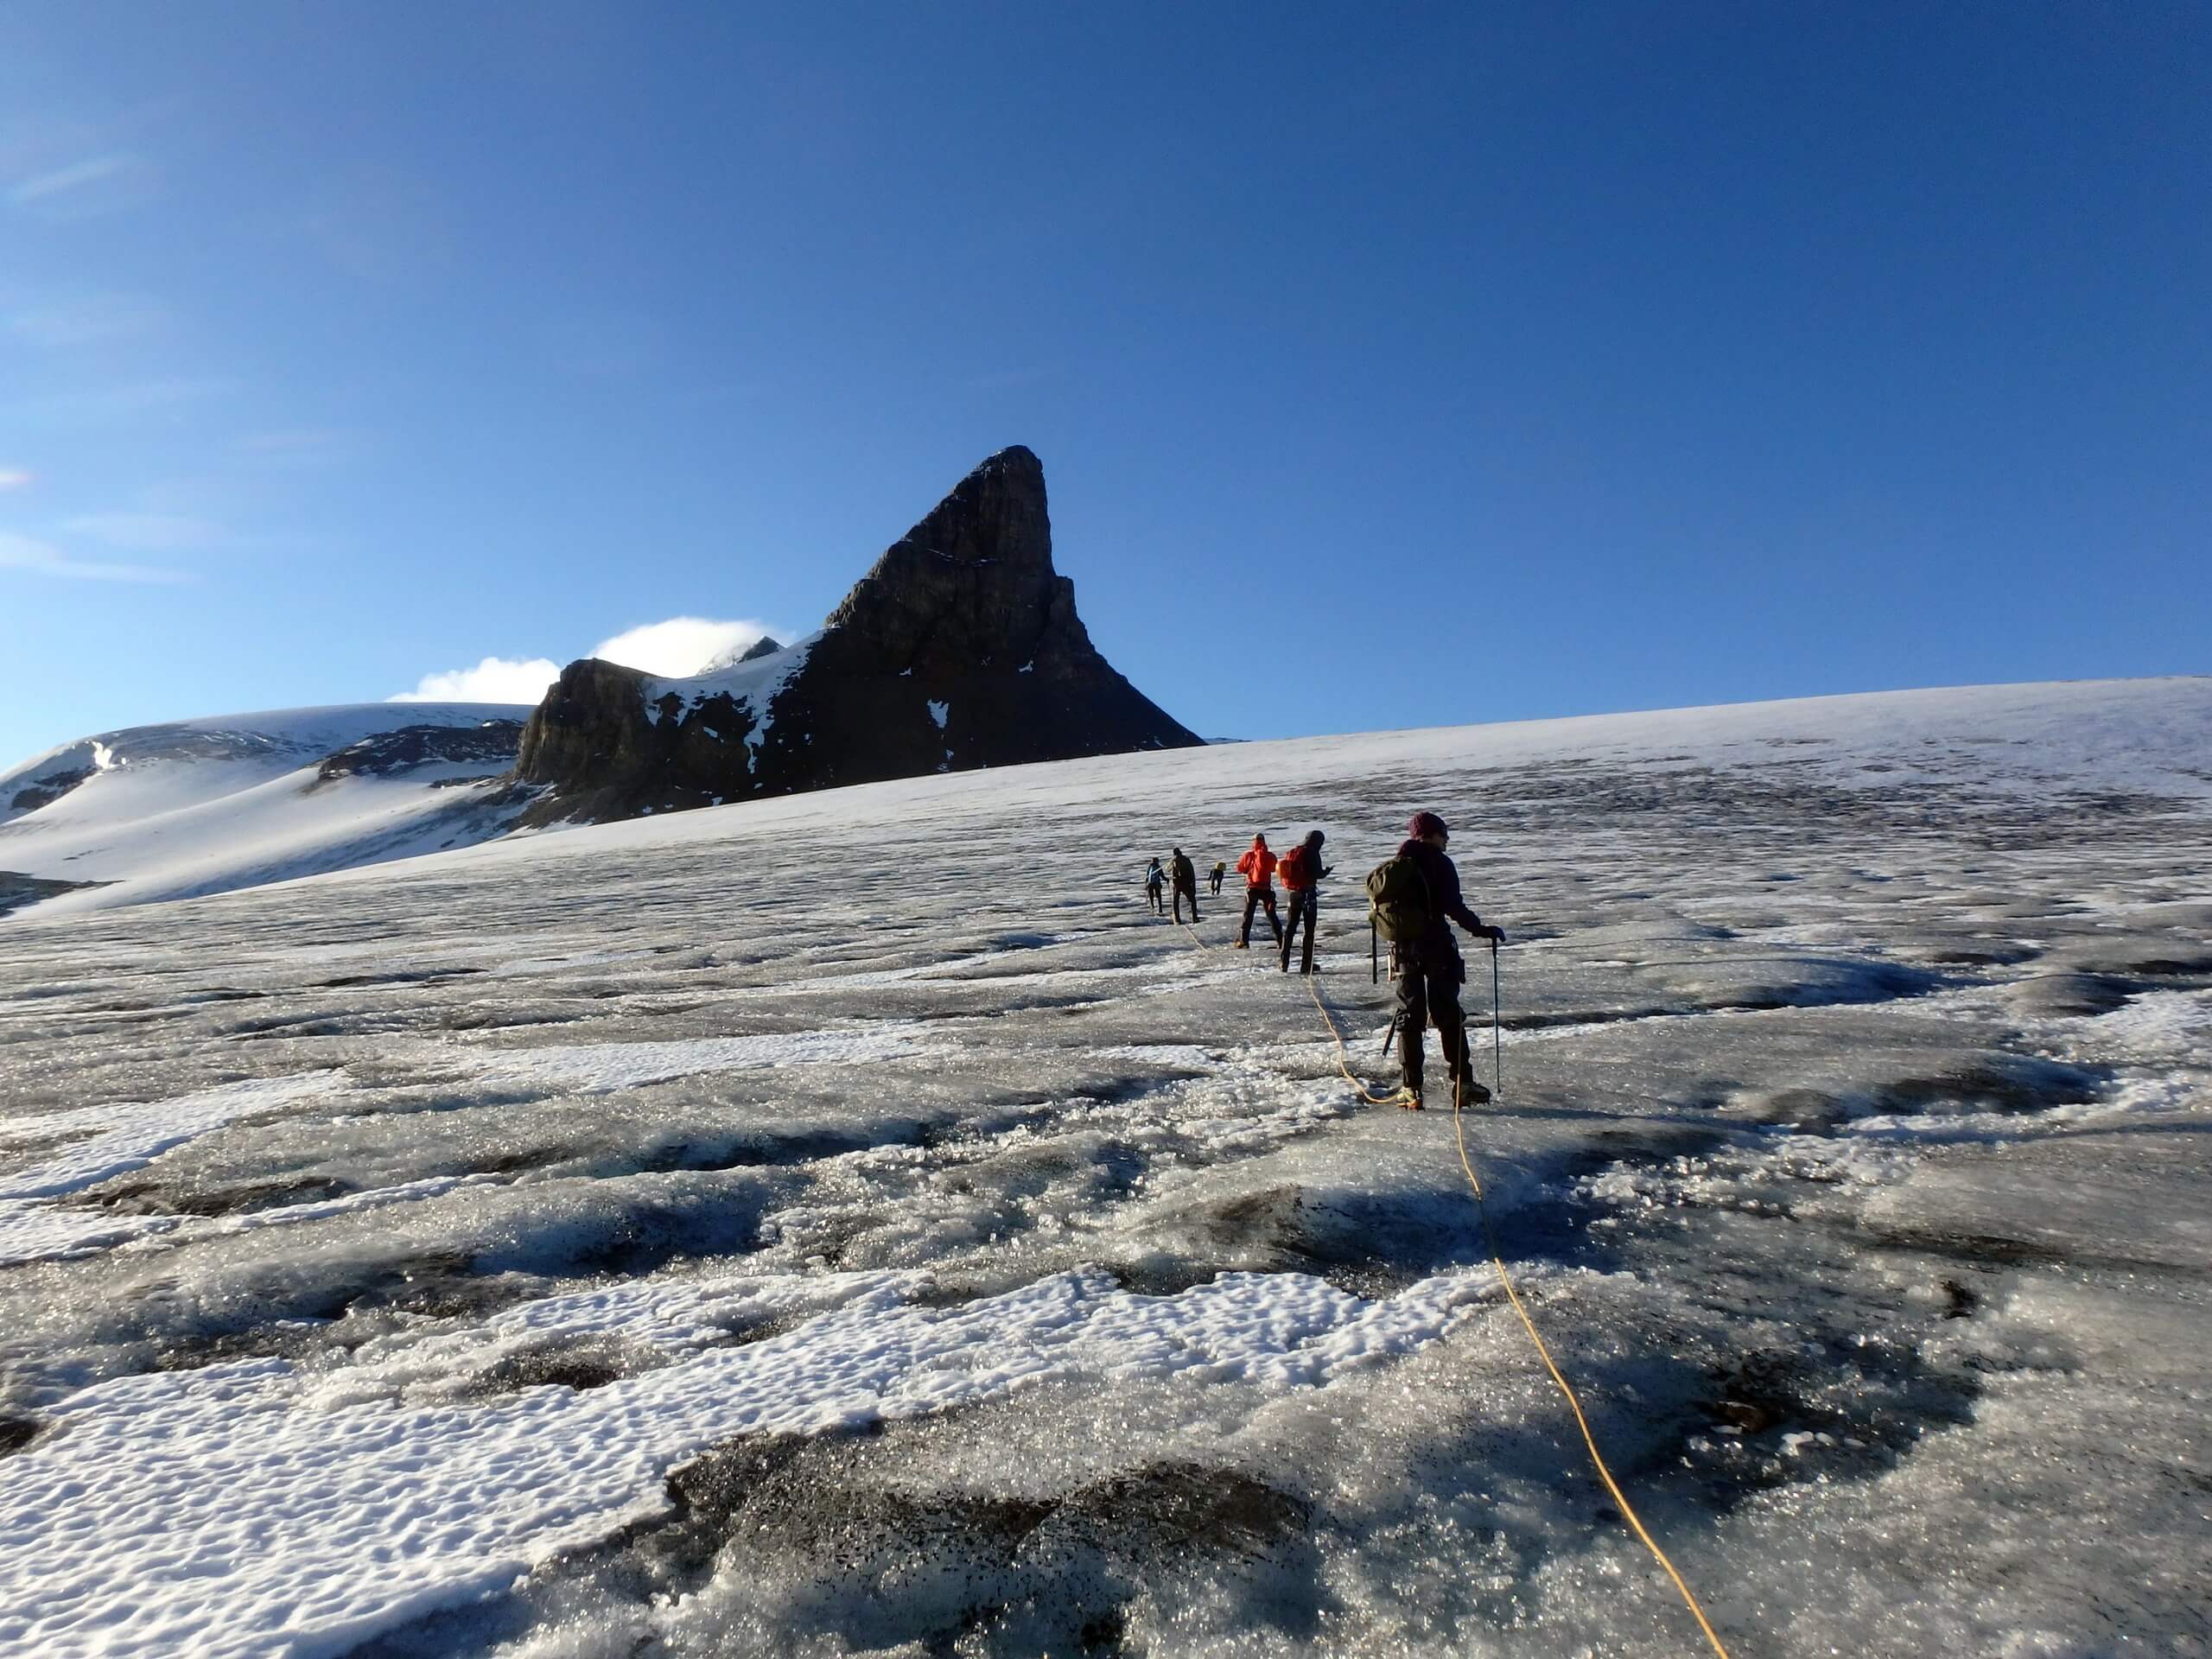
pixel 493 747
pixel 961 648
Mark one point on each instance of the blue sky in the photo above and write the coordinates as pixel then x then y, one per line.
pixel 1389 367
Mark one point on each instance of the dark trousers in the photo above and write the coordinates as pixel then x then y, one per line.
pixel 1159 901
pixel 1254 898
pixel 1217 884
pixel 1429 990
pixel 1183 893
pixel 1301 904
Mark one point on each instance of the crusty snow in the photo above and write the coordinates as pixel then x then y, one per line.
pixel 850 1222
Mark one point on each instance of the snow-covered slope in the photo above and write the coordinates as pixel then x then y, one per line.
pixel 850 1223
pixel 204 806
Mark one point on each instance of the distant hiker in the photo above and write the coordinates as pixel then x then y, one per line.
pixel 1257 867
pixel 1220 870
pixel 1186 883
pixel 1299 868
pixel 1155 881
pixel 1415 897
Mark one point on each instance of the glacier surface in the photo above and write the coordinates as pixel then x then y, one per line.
pixel 851 1223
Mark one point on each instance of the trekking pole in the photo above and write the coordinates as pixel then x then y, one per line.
pixel 1374 953
pixel 1496 1042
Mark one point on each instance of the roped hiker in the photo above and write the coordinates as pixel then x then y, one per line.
pixel 1415 897
pixel 1220 870
pixel 1186 883
pixel 1257 867
pixel 1155 879
pixel 1300 868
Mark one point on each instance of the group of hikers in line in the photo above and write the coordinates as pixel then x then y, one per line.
pixel 1413 898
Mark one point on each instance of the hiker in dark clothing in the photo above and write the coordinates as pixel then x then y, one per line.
pixel 1155 879
pixel 1430 970
pixel 1186 883
pixel 1257 867
pixel 1220 870
pixel 1300 868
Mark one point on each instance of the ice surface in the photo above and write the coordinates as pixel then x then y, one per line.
pixel 851 1223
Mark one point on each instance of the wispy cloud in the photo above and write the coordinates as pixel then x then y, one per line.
pixel 43 559
pixel 146 533
pixel 496 680
pixel 125 401
pixel 681 646
pixel 84 320
pixel 15 478
pixel 65 178
pixel 86 187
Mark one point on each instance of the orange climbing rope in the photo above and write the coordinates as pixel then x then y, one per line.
pixel 1513 1295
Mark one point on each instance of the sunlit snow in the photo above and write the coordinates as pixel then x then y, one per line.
pixel 852 1222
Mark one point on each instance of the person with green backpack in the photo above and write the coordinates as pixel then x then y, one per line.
pixel 1414 898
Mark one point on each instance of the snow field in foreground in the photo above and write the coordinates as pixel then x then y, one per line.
pixel 904 1245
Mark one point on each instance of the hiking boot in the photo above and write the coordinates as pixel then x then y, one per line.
pixel 1241 944
pixel 1473 1093
pixel 1407 1098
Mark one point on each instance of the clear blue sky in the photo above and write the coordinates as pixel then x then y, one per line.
pixel 1389 367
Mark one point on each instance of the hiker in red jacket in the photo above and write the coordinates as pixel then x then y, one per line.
pixel 1430 971
pixel 1257 867
pixel 1300 868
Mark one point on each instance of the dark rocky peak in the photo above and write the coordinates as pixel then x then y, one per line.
pixel 765 645
pixel 971 585
pixel 960 648
pixel 595 711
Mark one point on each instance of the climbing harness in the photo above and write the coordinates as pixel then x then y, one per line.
pixel 1505 1277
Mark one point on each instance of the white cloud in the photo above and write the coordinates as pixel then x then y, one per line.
pixel 496 680
pixel 43 559
pixel 681 645
pixel 15 478
pixel 145 533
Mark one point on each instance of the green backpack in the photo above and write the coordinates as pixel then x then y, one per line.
pixel 1397 900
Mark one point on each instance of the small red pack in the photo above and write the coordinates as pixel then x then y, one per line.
pixel 1294 869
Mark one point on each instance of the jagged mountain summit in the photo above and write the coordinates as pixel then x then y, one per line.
pixel 960 649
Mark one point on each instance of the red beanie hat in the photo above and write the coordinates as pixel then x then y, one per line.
pixel 1427 823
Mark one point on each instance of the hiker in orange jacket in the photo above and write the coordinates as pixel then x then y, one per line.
pixel 1257 867
pixel 1300 867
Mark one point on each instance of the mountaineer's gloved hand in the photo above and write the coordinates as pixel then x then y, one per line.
pixel 1495 935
